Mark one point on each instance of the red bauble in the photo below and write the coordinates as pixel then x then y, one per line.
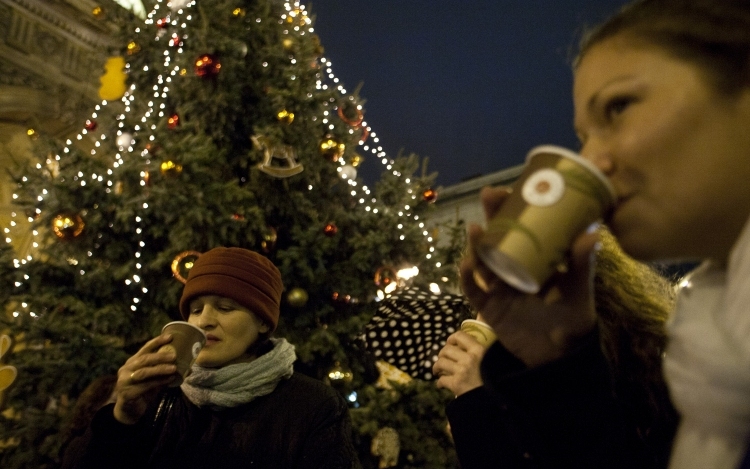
pixel 162 23
pixel 429 195
pixel 330 230
pixel 173 121
pixel 90 125
pixel 207 65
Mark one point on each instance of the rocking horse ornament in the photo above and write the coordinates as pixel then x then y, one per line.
pixel 284 155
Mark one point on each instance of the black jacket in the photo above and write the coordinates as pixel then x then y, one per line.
pixel 565 414
pixel 302 424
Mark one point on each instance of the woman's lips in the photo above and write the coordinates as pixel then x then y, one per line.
pixel 211 339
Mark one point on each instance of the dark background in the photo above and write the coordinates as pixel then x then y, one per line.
pixel 470 85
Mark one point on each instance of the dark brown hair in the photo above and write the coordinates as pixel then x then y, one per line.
pixel 714 35
pixel 633 302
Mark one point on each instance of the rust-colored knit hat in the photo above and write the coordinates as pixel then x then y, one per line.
pixel 242 275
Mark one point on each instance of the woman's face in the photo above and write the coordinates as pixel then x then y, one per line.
pixel 230 330
pixel 676 151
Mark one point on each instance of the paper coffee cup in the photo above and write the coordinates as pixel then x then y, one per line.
pixel 481 331
pixel 187 342
pixel 558 195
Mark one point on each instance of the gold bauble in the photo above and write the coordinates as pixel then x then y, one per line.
pixel 67 225
pixel 269 239
pixel 170 168
pixel 331 148
pixel 182 263
pixel 339 375
pixel 238 12
pixel 133 48
pixel 285 116
pixel 297 297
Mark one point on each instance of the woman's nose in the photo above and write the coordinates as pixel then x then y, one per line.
pixel 601 158
pixel 207 317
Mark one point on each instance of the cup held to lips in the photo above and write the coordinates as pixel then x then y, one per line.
pixel 481 331
pixel 556 197
pixel 187 342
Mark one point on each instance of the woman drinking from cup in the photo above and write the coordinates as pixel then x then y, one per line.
pixel 662 108
pixel 242 406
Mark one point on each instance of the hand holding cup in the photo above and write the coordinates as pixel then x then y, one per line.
pixel 536 328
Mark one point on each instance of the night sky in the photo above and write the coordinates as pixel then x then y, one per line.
pixel 470 85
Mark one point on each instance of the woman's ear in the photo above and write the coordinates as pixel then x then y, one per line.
pixel 264 327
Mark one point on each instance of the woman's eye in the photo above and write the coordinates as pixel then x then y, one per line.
pixel 196 311
pixel 616 106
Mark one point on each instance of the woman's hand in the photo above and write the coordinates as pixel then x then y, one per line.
pixel 141 378
pixel 458 363
pixel 540 328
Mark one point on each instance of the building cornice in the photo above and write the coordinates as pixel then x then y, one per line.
pixel 71 24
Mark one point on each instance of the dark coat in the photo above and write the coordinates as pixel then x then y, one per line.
pixel 565 414
pixel 302 424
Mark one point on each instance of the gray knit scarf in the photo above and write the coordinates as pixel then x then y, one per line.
pixel 233 385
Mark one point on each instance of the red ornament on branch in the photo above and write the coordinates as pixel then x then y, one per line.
pixel 346 115
pixel 162 23
pixel 330 230
pixel 207 65
pixel 429 195
pixel 90 125
pixel 173 121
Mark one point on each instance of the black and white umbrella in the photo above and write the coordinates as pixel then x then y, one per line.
pixel 411 326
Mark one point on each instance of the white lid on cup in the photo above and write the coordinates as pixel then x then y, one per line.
pixel 566 153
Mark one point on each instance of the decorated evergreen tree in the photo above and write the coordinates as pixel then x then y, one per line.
pixel 221 124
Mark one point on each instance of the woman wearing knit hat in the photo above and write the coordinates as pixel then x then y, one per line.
pixel 242 406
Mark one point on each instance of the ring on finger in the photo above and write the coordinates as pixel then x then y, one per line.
pixel 132 377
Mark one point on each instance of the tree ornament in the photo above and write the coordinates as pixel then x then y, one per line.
pixel 365 134
pixel 347 172
pixel 8 373
pixel 268 243
pixel 67 225
pixel 119 188
pixel 238 12
pixel 386 445
pixel 124 140
pixel 173 121
pixel 207 66
pixel 53 167
pixel 278 160
pixel 162 23
pixel 338 375
pixel 90 125
pixel 238 217
pixel 330 230
pixel 297 297
pixel 356 160
pixel 176 41
pixel 384 276
pixel 429 195
pixel 331 148
pixel 340 298
pixel 132 48
pixel 98 12
pixel 182 263
pixel 170 169
pixel 288 44
pixel 113 86
pixel 32 134
pixel 351 114
pixel 285 116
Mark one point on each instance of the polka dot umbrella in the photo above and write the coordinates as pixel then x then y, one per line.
pixel 411 326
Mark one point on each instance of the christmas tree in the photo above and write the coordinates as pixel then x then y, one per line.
pixel 221 124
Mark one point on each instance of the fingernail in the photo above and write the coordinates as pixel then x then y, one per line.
pixel 594 227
